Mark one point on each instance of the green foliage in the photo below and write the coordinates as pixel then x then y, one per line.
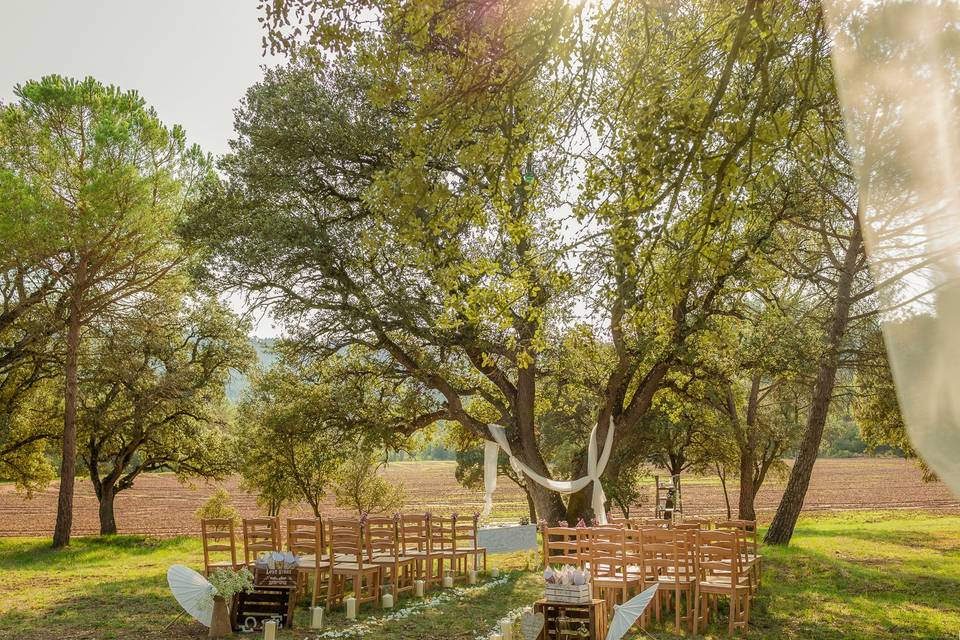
pixel 153 391
pixel 358 484
pixel 218 506
pixel 304 418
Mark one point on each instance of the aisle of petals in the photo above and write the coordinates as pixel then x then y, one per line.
pixel 362 628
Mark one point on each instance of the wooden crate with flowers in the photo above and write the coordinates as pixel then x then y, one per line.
pixel 567 585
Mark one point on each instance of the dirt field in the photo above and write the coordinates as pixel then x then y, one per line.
pixel 159 505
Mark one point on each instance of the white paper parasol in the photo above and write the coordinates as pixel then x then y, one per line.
pixel 624 615
pixel 190 588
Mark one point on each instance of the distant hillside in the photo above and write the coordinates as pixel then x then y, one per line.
pixel 239 382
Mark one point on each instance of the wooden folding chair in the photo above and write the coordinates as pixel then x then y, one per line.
pixel 719 573
pixel 609 565
pixel 415 542
pixel 385 550
pixel 666 555
pixel 561 546
pixel 465 533
pixel 443 547
pixel 259 535
pixel 350 560
pixel 305 539
pixel 749 545
pixel 218 535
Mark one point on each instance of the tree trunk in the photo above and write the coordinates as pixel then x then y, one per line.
pixel 531 506
pixel 547 503
pixel 108 524
pixel 68 462
pixel 745 508
pixel 721 472
pixel 781 529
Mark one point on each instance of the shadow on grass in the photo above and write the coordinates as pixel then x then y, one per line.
pixel 119 608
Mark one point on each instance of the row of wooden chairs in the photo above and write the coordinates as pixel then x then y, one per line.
pixel 367 553
pixel 693 567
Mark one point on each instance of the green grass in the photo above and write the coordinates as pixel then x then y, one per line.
pixel 859 575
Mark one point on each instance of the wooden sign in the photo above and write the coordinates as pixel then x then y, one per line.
pixel 279 576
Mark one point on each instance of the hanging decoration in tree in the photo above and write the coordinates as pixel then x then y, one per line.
pixel 595 467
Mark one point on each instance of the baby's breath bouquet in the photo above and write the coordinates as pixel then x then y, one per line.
pixel 226 584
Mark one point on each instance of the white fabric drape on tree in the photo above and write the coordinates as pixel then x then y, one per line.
pixel 595 467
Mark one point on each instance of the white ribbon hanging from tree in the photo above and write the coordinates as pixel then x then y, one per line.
pixel 595 467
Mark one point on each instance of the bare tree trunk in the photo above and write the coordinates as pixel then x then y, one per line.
pixel 781 529
pixel 108 523
pixel 745 507
pixel 68 462
pixel 723 483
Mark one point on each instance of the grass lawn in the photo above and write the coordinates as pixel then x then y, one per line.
pixel 857 575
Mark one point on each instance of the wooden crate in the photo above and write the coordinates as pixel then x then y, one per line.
pixel 593 615
pixel 262 604
pixel 568 593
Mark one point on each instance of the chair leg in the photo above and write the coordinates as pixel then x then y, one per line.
pixel 676 605
pixel 696 610
pixel 734 607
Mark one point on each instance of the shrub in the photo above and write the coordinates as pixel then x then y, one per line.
pixel 218 506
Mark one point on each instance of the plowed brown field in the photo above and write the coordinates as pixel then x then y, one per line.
pixel 159 505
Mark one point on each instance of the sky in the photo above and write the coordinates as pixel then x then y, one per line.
pixel 191 60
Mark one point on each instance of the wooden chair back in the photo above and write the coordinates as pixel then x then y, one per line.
pixel 665 553
pixel 305 537
pixel 465 531
pixel 561 546
pixel 259 535
pixel 218 535
pixel 414 532
pixel 347 541
pixel 606 552
pixel 442 533
pixel 718 556
pixel 746 531
pixel 704 523
pixel 382 539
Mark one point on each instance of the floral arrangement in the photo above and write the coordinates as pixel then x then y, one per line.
pixel 276 560
pixel 362 629
pixel 563 523
pixel 581 524
pixel 226 584
pixel 566 575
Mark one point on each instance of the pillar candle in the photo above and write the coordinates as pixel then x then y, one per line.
pixel 447 582
pixel 316 618
pixel 270 630
pixel 471 577
pixel 418 586
pixel 506 629
pixel 351 603
pixel 495 572
pixel 387 601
